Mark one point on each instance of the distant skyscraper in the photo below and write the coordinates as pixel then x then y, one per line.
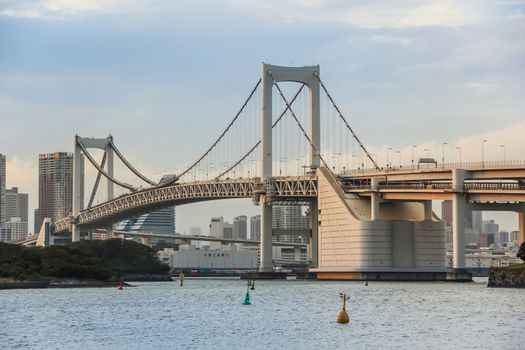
pixel 473 219
pixel 240 229
pixel 289 217
pixel 446 212
pixel 55 186
pixel 158 221
pixel 16 212
pixel 2 190
pixel 255 228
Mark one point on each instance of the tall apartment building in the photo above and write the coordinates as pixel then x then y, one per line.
pixel 158 221
pixel 16 205
pixel 255 228
pixel 240 227
pixel 55 186
pixel 2 190
pixel 289 217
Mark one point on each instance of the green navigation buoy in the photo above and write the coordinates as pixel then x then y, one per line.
pixel 247 296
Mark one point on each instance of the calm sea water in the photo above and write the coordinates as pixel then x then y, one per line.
pixel 208 314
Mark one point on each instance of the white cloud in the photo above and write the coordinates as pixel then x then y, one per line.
pixel 482 88
pixel 391 14
pixel 385 39
pixel 517 15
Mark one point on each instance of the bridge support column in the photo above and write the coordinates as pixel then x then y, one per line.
pixel 458 219
pixel 314 233
pixel 428 210
pixel 109 155
pixel 266 239
pixel 521 218
pixel 77 190
pixel 109 232
pixel 75 233
pixel 374 201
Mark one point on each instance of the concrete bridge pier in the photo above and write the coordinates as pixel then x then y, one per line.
pixel 109 232
pixel 458 219
pixel 428 210
pixel 75 233
pixel 374 200
pixel 521 218
pixel 314 233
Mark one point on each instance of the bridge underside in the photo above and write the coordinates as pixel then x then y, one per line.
pixel 355 241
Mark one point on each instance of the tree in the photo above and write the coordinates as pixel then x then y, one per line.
pixel 521 252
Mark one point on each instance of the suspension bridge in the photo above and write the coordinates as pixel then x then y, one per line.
pixel 301 150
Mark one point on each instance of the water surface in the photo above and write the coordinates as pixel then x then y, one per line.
pixel 208 314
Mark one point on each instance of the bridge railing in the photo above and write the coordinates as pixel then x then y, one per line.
pixel 444 186
pixel 437 166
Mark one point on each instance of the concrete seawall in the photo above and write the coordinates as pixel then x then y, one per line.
pixel 506 277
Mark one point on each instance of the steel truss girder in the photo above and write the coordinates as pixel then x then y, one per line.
pixel 279 189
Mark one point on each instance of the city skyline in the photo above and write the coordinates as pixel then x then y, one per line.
pixel 161 71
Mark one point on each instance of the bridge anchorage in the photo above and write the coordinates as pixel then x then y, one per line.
pixel 371 223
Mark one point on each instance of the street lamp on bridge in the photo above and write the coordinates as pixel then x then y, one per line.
pixel 459 150
pixel 443 154
pixel 413 147
pixel 387 150
pixel 399 153
pixel 504 155
pixel 482 155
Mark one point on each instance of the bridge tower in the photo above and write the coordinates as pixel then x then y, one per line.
pixel 81 143
pixel 269 76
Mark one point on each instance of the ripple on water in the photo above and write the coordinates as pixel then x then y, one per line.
pixel 208 314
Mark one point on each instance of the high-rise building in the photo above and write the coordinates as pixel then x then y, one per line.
pixel 195 231
pixel 55 186
pixel 2 190
pixel 255 228
pixel 16 205
pixel 289 217
pixel 473 219
pixel 240 229
pixel 514 236
pixel 503 237
pixel 490 227
pixel 158 221
pixel 446 212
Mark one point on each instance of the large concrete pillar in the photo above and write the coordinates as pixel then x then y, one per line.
pixel 314 233
pixel 374 200
pixel 458 219
pixel 314 120
pixel 428 210
pixel 109 162
pixel 521 218
pixel 109 232
pixel 77 198
pixel 266 264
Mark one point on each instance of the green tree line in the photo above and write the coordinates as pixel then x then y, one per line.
pixel 99 260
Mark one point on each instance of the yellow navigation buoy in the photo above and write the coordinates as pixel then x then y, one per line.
pixel 181 278
pixel 343 315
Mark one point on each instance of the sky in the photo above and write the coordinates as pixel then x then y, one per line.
pixel 165 77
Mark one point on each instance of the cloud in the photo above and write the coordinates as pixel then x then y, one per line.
pixel 482 88
pixel 385 39
pixel 516 15
pixel 392 14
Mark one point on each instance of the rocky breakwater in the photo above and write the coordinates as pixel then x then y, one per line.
pixel 507 277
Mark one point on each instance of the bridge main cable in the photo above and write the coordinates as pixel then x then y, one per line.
pixel 220 136
pixel 346 123
pixel 259 142
pixel 130 167
pixel 100 170
pixel 97 181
